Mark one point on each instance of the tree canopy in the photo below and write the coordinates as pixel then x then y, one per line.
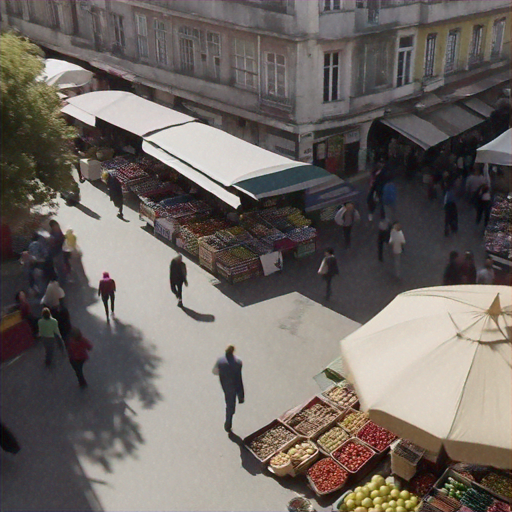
pixel 36 143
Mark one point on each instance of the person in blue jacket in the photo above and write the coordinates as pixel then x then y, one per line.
pixel 229 370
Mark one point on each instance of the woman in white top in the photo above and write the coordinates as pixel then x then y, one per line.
pixel 397 242
pixel 346 217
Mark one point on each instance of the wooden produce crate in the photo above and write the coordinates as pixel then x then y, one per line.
pixel 341 396
pixel 305 249
pixel 357 472
pixel 302 426
pixel 330 464
pixel 405 458
pixel 238 264
pixel 260 433
pixel 362 437
pixel 344 436
pixel 306 464
pixel 209 249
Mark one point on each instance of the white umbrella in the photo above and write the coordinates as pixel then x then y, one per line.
pixel 64 74
pixel 498 151
pixel 435 367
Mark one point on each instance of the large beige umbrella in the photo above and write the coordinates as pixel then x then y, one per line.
pixel 435 367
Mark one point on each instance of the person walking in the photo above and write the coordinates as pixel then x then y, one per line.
pixel 56 242
pixel 107 290
pixel 452 272
pixel 383 235
pixel 64 321
pixel 468 269
pixel 483 204
pixel 389 197
pixel 397 242
pixel 346 217
pixel 115 192
pixel 328 269
pixel 54 294
pixel 178 277
pixel 22 305
pixel 229 370
pixel 451 216
pixel 78 352
pixel 486 274
pixel 49 332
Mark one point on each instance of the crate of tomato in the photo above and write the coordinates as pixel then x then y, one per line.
pixel 354 456
pixel 377 437
pixel 326 476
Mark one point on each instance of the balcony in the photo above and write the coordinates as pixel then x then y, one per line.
pixel 283 104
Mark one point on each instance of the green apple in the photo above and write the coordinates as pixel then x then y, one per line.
pixel 389 509
pixel 394 493
pixel 414 499
pixel 392 503
pixel 378 508
pixel 351 504
pixel 384 490
pixel 400 502
pixel 343 508
pixel 360 496
pixel 351 496
pixel 374 494
pixel 377 500
pixel 365 491
pixel 400 509
pixel 385 505
pixel 405 495
pixel 367 503
pixel 361 509
pixel 409 505
pixel 358 489
pixel 372 486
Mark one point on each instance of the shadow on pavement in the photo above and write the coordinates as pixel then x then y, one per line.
pixel 200 317
pixel 249 462
pixel 61 426
pixel 87 211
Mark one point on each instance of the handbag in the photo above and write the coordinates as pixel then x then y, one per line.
pixel 323 268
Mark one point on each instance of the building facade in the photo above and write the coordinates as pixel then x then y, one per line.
pixel 304 78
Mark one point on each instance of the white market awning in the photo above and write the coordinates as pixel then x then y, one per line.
pixel 128 111
pixel 79 114
pixel 65 75
pixel 234 162
pixel 224 157
pixel 192 174
pixel 417 130
pixel 498 151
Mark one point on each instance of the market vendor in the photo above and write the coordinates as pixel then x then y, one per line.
pixel 234 216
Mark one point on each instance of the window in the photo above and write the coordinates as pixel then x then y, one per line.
pixel 373 7
pixel 189 38
pixel 475 49
pixel 403 75
pixel 275 66
pixel 245 64
pixel 14 8
pixel 141 23
pixel 332 5
pixel 452 47
pixel 331 76
pixel 375 68
pixel 55 14
pixel 187 55
pixel 213 54
pixel 430 55
pixel 116 23
pixel 497 37
pixel 161 42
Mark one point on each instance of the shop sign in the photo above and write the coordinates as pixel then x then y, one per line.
pixel 351 137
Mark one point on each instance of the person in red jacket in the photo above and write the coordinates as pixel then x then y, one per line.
pixel 78 348
pixel 106 289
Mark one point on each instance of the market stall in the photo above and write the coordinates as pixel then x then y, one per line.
pixel 498 239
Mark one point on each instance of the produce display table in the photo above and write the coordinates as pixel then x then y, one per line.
pixel 498 239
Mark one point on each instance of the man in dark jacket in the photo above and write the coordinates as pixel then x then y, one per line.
pixel 178 277
pixel 115 192
pixel 229 370
pixel 328 269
